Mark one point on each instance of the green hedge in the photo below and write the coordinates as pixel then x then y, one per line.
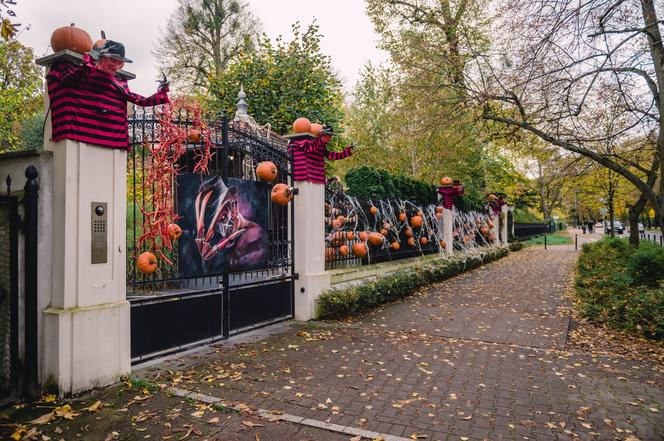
pixel 336 304
pixel 622 286
pixel 367 183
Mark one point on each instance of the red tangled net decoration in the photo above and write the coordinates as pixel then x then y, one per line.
pixel 162 169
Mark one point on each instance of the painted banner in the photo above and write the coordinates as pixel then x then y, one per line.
pixel 224 224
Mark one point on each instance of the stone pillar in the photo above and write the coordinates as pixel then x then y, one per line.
pixel 309 248
pixel 448 228
pixel 495 219
pixel 86 336
pixel 503 223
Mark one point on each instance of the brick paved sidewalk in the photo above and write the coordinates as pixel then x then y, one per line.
pixel 481 356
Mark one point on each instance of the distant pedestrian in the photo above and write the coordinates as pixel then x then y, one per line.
pixel 590 227
pixel 583 228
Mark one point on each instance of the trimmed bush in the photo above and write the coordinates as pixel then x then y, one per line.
pixel 621 286
pixel 516 246
pixel 367 183
pixel 336 304
pixel 646 265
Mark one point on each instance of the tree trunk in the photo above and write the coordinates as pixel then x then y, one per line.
pixel 634 213
pixel 611 214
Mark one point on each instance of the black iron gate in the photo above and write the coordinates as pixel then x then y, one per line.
pixel 8 298
pixel 172 311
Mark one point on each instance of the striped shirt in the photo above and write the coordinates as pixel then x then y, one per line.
pixel 309 159
pixel 448 194
pixel 90 106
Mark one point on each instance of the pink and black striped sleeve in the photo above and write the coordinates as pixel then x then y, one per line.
pixel 160 97
pixel 70 73
pixel 334 156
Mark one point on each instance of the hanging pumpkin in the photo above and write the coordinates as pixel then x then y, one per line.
pixel 373 210
pixel 423 240
pixel 282 194
pixel 395 246
pixel 194 135
pixel 411 241
pixel 72 38
pixel 174 231
pixel 336 224
pixel 344 250
pixel 484 231
pixel 350 235
pixel 490 224
pixel 315 129
pixel 383 231
pixel 442 244
pixel 363 236
pixel 266 171
pixel 341 220
pixel 146 263
pixel 416 221
pixel 402 217
pixel 492 237
pixel 359 249
pixel 376 239
pixel 301 125
pixel 408 232
pixel 445 181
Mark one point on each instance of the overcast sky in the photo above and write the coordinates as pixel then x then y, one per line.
pixel 348 35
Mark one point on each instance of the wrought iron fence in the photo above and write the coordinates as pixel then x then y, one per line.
pixel 236 150
pixel 8 298
pixel 349 223
pixel 526 231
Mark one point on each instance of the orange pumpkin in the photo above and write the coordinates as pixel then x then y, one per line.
pixel 341 220
pixel 490 224
pixel 446 181
pixel 194 135
pixel 266 171
pixel 424 240
pixel 301 125
pixel 492 237
pixel 335 224
pixel 363 236
pixel 484 231
pixel 350 235
pixel 383 231
pixel 376 239
pixel 411 241
pixel 408 232
pixel 492 197
pixel 315 129
pixel 402 217
pixel 146 263
pixel 102 41
pixel 416 221
pixel 359 249
pixel 72 38
pixel 442 244
pixel 329 253
pixel 395 246
pixel 344 250
pixel 174 231
pixel 373 210
pixel 282 194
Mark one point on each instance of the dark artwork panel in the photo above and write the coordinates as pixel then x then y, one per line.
pixel 224 224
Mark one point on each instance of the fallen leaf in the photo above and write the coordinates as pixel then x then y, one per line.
pixel 94 408
pixel 654 409
pixel 356 438
pixel 44 419
pixel 214 420
pixel 251 424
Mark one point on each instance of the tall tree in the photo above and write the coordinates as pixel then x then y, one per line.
pixel 283 81
pixel 8 25
pixel 560 67
pixel 20 87
pixel 202 37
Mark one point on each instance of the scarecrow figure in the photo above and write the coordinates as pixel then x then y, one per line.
pixel 496 203
pixel 449 191
pixel 89 100
pixel 309 156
